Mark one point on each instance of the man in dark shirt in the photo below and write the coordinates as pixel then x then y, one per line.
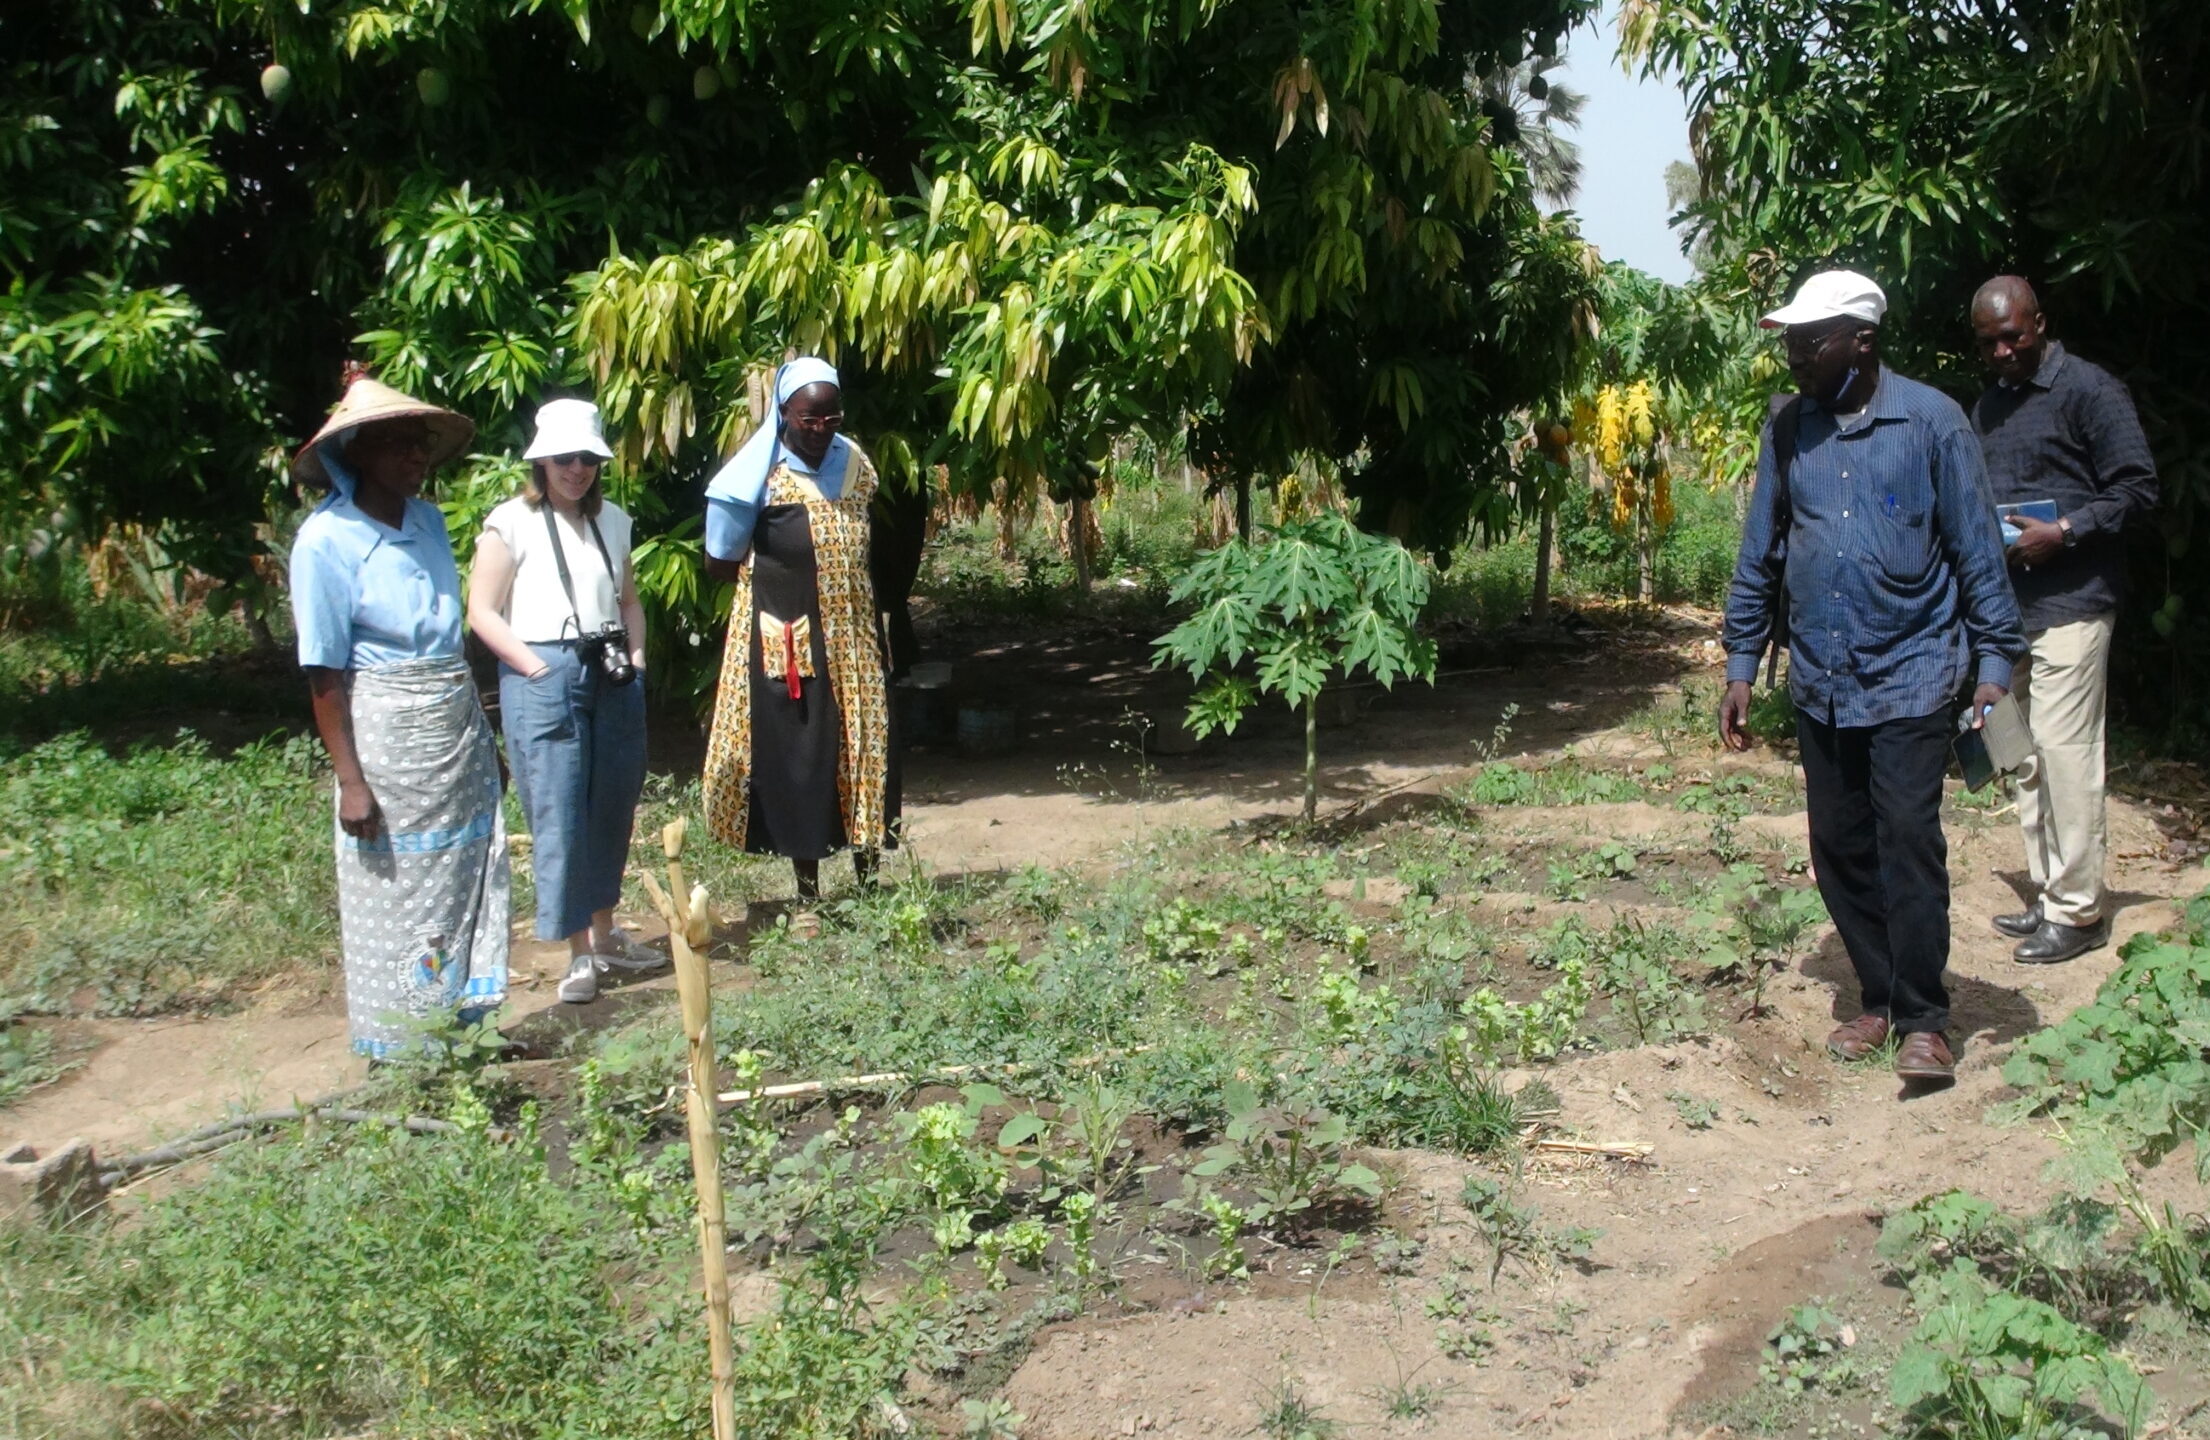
pixel 1872 532
pixel 2061 435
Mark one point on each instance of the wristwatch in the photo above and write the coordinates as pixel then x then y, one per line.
pixel 2071 537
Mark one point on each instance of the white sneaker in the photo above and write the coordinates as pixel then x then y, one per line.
pixel 580 986
pixel 626 954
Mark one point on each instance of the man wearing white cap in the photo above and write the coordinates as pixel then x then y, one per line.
pixel 1871 549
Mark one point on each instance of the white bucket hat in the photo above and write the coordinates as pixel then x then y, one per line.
pixel 567 427
pixel 1829 295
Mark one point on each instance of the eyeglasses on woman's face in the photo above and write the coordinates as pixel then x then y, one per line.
pixel 818 422
pixel 578 457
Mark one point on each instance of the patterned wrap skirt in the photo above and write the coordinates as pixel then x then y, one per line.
pixel 422 907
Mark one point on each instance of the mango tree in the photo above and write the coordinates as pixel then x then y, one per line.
pixel 1022 227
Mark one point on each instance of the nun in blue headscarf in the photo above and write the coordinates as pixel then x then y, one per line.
pixel 801 761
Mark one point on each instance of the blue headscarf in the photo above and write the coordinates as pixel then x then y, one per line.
pixel 334 466
pixel 743 480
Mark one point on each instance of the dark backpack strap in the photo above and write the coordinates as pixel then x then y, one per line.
pixel 1785 415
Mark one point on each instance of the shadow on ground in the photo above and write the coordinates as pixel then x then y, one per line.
pixel 1989 1014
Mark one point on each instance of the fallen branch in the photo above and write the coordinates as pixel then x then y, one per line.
pixel 173 1154
pixel 230 1132
pixel 419 1124
pixel 1610 1150
pixel 260 1118
pixel 907 1077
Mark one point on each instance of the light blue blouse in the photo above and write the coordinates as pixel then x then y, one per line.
pixel 364 594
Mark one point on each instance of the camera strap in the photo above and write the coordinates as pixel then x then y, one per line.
pixel 560 560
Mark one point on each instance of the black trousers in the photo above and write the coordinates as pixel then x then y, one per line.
pixel 1883 863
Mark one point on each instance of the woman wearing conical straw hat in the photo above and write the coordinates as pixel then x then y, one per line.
pixel 421 844
pixel 801 762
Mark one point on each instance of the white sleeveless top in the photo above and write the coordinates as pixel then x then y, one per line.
pixel 536 606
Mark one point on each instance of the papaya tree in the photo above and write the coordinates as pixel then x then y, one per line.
pixel 1318 601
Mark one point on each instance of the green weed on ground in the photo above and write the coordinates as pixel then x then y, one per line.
pixel 1185 1049
pixel 131 883
pixel 26 1056
pixel 1568 782
pixel 917 977
pixel 377 1281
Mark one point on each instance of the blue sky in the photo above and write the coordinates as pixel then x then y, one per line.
pixel 1628 133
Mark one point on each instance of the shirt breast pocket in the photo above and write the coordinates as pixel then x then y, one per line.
pixel 1903 538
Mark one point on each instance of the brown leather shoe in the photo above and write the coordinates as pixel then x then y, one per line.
pixel 1859 1038
pixel 1924 1055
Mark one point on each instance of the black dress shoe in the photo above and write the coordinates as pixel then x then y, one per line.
pixel 2053 944
pixel 2019 923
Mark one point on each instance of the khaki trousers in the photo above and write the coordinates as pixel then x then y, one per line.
pixel 2061 685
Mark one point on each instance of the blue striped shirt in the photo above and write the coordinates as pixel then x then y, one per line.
pixel 1887 545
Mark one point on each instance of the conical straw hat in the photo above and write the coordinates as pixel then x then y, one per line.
pixel 367 400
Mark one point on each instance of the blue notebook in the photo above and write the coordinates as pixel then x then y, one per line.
pixel 2032 509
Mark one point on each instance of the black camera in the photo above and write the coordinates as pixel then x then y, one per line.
pixel 608 651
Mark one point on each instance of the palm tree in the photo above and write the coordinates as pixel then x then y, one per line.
pixel 1683 188
pixel 1529 112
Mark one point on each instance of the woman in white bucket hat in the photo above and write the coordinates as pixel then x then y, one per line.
pixel 553 594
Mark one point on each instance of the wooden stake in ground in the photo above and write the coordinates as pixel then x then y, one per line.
pixel 696 992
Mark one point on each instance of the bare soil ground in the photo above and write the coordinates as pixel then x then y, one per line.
pixel 1704 1246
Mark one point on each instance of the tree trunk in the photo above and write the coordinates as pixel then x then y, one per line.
pixel 1078 541
pixel 1646 558
pixel 1243 508
pixel 1312 758
pixel 1538 607
pixel 257 626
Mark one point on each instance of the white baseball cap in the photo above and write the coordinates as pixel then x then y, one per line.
pixel 1829 295
pixel 567 427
